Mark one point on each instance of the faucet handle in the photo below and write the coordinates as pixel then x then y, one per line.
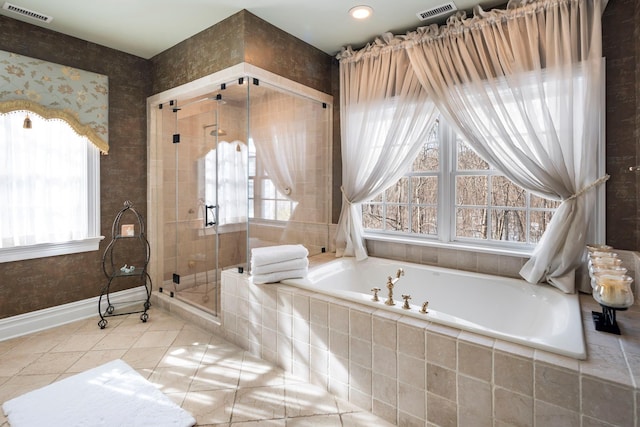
pixel 375 294
pixel 423 310
pixel 399 273
pixel 406 299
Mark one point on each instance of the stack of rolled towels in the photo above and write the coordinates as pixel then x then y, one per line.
pixel 271 264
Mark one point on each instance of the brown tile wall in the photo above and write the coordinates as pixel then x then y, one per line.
pixel 242 37
pixel 40 283
pixel 621 48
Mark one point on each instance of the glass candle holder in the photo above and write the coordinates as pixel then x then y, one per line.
pixel 599 248
pixel 600 254
pixel 613 290
pixel 615 270
pixel 603 262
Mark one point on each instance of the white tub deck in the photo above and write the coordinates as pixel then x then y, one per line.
pixel 538 316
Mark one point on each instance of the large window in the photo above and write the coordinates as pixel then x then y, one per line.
pixel 49 189
pixel 452 195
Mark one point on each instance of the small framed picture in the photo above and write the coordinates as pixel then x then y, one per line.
pixel 127 230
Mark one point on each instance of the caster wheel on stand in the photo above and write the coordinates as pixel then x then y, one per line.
pixel 102 323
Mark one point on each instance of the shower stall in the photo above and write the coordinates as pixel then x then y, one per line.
pixel 237 160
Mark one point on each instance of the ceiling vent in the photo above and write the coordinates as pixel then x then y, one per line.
pixel 27 13
pixel 434 12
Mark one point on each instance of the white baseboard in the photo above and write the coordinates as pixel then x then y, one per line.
pixel 47 318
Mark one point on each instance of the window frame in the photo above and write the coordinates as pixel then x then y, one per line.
pixel 88 244
pixel 447 205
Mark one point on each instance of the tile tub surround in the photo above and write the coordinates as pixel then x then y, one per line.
pixel 412 372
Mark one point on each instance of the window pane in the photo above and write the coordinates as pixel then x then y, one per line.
pixel 372 216
pixel 399 192
pixel 284 210
pixel 424 190
pixel 428 157
pixel 269 209
pixel 378 198
pixel 541 202
pixel 508 225
pixel 268 189
pixel 468 159
pixel 424 220
pixel 539 223
pixel 397 218
pixel 471 190
pixel 506 193
pixel 471 223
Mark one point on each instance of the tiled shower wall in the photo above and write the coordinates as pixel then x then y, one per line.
pixel 413 373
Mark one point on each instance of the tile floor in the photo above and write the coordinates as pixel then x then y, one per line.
pixel 217 382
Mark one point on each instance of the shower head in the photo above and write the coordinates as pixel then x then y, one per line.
pixel 216 130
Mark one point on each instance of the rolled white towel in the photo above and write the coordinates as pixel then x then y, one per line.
pixel 294 264
pixel 280 275
pixel 273 254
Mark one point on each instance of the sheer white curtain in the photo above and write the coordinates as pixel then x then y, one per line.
pixel 43 182
pixel 524 88
pixel 229 182
pixel 280 134
pixel 385 117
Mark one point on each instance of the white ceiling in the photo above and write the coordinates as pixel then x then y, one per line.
pixel 148 27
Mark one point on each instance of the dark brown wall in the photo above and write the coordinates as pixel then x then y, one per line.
pixel 621 48
pixel 40 283
pixel 243 37
pixel 216 48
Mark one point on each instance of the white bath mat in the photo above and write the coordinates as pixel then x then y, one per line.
pixel 111 395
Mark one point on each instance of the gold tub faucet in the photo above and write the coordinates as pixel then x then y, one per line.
pixel 391 282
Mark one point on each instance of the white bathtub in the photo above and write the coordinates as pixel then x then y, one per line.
pixel 537 316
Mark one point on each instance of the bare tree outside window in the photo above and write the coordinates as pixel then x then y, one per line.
pixel 486 205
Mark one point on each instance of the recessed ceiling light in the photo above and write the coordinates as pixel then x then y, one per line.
pixel 360 12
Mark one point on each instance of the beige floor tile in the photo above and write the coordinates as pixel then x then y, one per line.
pixel 317 421
pixel 78 342
pixel 217 352
pixel 13 363
pixel 8 345
pixel 215 377
pixel 259 403
pixel 210 407
pixel 155 339
pixel 175 379
pixel 303 400
pixel 190 335
pixel 52 363
pixel 257 372
pixel 187 356
pixel 141 358
pixel 262 423
pixel 37 344
pixel 115 341
pixel 95 358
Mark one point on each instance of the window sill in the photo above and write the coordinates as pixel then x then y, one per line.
pixel 49 249
pixel 460 246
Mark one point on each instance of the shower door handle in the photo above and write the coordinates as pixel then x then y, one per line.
pixel 213 209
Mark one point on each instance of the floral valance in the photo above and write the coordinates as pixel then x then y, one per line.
pixel 79 97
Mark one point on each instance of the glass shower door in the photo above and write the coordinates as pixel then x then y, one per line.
pixel 195 247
